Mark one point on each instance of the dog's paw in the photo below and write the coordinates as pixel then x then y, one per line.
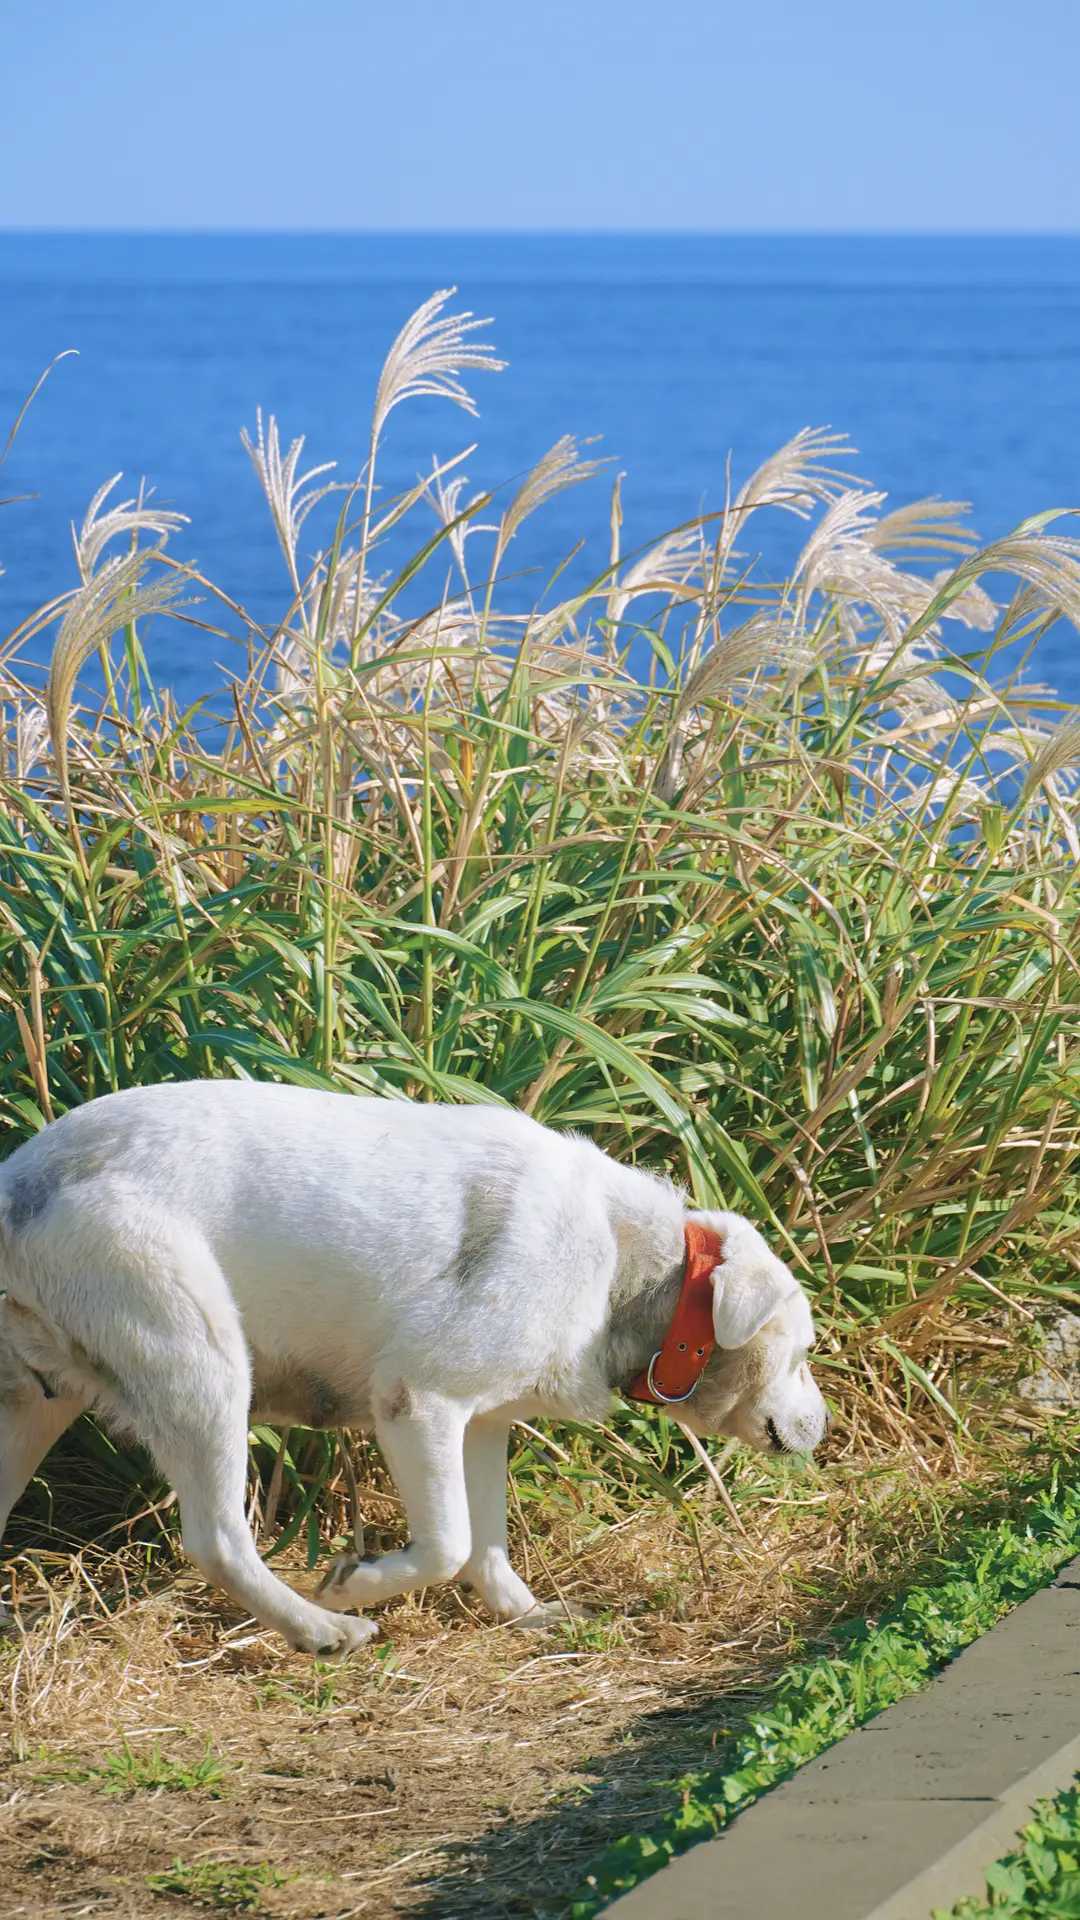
pixel 355 1632
pixel 549 1613
pixel 340 1634
pixel 331 1588
pixel 353 1580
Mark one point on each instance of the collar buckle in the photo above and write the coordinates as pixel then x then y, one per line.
pixel 657 1392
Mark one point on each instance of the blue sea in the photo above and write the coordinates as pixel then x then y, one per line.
pixel 952 364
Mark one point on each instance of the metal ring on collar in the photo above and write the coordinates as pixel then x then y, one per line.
pixel 669 1399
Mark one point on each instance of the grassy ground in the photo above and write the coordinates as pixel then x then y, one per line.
pixel 459 1768
pixel 791 914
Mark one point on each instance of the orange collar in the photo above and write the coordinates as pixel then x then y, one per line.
pixel 684 1355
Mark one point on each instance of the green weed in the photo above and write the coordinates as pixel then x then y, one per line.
pixel 218 1883
pixel 125 1772
pixel 1040 1878
pixel 310 1699
pixel 592 1635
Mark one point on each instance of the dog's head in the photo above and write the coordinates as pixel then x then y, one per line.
pixel 758 1386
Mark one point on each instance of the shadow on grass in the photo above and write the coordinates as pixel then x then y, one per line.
pixel 531 1869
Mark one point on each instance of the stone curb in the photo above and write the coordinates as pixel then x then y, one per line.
pixel 904 1814
pixel 962 1869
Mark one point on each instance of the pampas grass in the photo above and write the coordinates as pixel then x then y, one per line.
pixel 769 884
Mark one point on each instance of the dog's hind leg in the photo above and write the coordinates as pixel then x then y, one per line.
pixel 159 1336
pixel 30 1422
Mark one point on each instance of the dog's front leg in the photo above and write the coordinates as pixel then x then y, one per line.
pixel 489 1570
pixel 421 1436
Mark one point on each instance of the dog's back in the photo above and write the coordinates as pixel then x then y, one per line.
pixel 413 1219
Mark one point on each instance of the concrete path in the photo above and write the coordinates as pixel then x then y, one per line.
pixel 903 1815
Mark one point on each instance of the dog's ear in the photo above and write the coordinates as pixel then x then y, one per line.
pixel 744 1297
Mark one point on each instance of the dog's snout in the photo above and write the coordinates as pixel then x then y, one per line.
pixel 773 1432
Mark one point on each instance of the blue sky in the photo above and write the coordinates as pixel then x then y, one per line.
pixel 931 115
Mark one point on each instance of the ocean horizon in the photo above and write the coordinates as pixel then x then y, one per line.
pixel 952 362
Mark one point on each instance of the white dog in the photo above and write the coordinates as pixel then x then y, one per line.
pixel 173 1255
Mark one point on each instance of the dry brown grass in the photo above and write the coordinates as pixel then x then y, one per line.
pixel 462 1768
